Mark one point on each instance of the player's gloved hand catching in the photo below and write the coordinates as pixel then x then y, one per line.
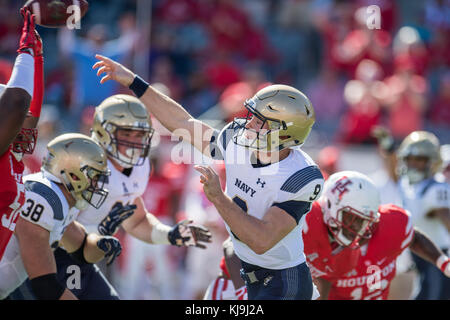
pixel 111 247
pixel 187 234
pixel 28 40
pixel 115 217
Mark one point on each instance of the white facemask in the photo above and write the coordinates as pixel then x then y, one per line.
pixel 129 157
pixel 415 176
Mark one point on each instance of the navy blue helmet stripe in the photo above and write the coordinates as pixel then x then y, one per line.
pixel 49 195
pixel 301 178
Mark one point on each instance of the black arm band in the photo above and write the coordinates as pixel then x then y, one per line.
pixel 139 86
pixel 78 255
pixel 47 287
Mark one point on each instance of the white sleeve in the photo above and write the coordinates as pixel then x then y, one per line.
pixel 436 197
pixel 37 210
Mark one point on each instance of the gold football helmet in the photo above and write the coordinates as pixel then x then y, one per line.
pixel 121 113
pixel 419 144
pixel 79 163
pixel 289 116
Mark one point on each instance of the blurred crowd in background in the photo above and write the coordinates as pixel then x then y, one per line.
pixel 211 55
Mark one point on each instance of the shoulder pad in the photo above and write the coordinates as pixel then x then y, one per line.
pixel 49 195
pixel 301 178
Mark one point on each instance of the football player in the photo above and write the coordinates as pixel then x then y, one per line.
pixel 270 185
pixel 444 175
pixel 228 285
pixel 25 85
pixel 351 242
pixel 72 177
pixel 122 126
pixel 429 203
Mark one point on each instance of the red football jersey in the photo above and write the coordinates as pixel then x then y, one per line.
pixel 12 196
pixel 358 274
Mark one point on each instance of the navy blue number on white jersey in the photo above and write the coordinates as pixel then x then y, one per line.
pixel 33 209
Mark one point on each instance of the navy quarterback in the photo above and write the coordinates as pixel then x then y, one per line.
pixel 271 184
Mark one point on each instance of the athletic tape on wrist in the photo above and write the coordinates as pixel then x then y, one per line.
pixel 160 234
pixel 23 74
pixel 139 86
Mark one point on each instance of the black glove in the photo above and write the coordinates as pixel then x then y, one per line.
pixel 384 138
pixel 115 217
pixel 186 234
pixel 111 247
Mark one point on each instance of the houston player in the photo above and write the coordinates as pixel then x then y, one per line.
pixel 72 177
pixel 351 242
pixel 270 186
pixel 122 126
pixel 228 285
pixel 25 85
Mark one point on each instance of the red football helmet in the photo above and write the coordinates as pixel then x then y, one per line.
pixel 25 141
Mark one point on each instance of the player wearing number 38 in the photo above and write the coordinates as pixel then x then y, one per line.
pixel 270 185
pixel 123 128
pixel 72 178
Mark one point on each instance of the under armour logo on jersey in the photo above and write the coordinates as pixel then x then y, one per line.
pixel 261 182
pixel 135 185
pixel 341 186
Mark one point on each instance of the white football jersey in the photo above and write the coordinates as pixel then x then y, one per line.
pixel 45 206
pixel 256 189
pixel 121 188
pixel 420 199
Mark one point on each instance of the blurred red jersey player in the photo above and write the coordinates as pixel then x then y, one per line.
pixel 352 243
pixel 17 124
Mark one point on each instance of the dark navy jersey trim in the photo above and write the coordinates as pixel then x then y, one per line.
pixel 227 134
pixel 49 195
pixel 427 186
pixel 296 209
pixel 222 137
pixel 214 148
pixel 301 178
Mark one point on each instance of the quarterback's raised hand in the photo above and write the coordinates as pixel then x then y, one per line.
pixel 111 247
pixel 114 71
pixel 28 40
pixel 116 216
pixel 187 234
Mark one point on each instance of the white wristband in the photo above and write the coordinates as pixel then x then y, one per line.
pixel 23 74
pixel 160 234
pixel 441 260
